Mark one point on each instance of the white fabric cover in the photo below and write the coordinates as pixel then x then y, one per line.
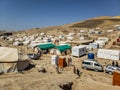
pixel 108 54
pixel 10 62
pixel 8 54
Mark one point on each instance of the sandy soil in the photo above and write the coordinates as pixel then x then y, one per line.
pixel 32 79
pixel 51 80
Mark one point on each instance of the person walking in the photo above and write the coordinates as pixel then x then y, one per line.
pixel 113 63
pixel 74 70
pixel 70 60
pixel 78 72
pixel 117 64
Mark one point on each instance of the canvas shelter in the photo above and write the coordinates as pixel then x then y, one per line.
pixel 46 46
pixel 10 60
pixel 55 51
pixel 108 54
pixel 94 45
pixel 61 49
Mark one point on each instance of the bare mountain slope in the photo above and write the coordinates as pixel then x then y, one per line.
pixel 97 22
pixel 102 22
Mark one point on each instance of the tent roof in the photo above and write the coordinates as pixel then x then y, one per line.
pixel 8 54
pixel 46 46
pixel 62 48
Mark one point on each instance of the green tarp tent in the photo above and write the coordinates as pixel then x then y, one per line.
pixel 63 48
pixel 46 46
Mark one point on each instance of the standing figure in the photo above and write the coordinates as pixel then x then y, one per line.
pixel 74 70
pixel 117 64
pixel 78 72
pixel 70 60
pixel 39 54
pixel 113 63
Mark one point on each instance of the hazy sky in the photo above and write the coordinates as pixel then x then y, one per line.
pixel 26 14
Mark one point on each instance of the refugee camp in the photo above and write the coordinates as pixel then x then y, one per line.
pixel 59 45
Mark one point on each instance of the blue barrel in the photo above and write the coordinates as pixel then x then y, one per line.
pixel 91 56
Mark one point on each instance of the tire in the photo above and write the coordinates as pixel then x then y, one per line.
pixel 110 73
pixel 96 70
pixel 85 68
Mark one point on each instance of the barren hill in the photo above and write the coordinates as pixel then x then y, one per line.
pixel 39 30
pixel 97 22
pixel 102 22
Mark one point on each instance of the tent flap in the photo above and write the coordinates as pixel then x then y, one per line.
pixel 8 67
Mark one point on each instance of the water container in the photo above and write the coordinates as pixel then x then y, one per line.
pixel 91 56
pixel 54 60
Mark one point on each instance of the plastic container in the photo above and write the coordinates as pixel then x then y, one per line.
pixel 54 59
pixel 91 56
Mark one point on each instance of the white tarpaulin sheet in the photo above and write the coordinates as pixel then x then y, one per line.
pixel 108 54
pixel 8 54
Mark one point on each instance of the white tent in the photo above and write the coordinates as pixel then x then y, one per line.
pixel 55 51
pixel 70 38
pixel 82 31
pixel 103 39
pixel 94 45
pixel 101 43
pixel 10 61
pixel 108 54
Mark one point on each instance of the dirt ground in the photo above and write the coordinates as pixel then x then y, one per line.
pixel 51 80
pixel 32 79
